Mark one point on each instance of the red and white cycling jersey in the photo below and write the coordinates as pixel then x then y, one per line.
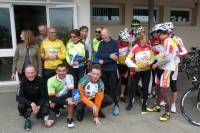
pixel 141 56
pixel 181 48
pixel 172 50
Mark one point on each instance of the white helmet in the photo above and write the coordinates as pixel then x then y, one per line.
pixel 139 29
pixel 159 27
pixel 154 28
pixel 169 26
pixel 124 35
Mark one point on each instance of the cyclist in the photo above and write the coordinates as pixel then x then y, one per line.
pixel 166 64
pixel 52 51
pixel 92 95
pixel 181 52
pixel 32 96
pixel 108 55
pixel 134 24
pixel 155 44
pixel 76 56
pixel 60 89
pixel 140 58
pixel 95 44
pixel 123 46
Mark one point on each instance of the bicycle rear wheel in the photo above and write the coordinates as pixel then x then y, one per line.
pixel 190 105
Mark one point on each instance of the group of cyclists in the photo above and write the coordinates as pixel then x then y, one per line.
pixel 78 67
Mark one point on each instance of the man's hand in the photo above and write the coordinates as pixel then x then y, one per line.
pixel 13 76
pixel 95 110
pixel 52 105
pixel 113 56
pixel 75 63
pixel 154 66
pixel 53 56
pixel 34 108
pixel 70 101
pixel 46 56
pixel 96 121
pixel 101 62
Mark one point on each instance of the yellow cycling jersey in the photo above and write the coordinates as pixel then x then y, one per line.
pixel 52 48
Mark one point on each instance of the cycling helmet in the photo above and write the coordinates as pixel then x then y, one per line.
pixel 160 27
pixel 135 23
pixel 139 29
pixel 124 35
pixel 154 28
pixel 169 25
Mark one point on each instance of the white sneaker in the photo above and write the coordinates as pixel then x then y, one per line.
pixel 173 108
pixel 70 122
pixel 162 103
pixel 58 114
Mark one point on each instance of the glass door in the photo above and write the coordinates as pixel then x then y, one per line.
pixel 63 18
pixel 7 43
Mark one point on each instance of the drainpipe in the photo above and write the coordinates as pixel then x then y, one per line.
pixel 151 15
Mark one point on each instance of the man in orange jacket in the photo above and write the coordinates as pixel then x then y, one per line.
pixel 92 94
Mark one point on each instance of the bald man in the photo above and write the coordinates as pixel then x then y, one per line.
pixel 108 55
pixel 32 96
pixel 52 51
pixel 42 33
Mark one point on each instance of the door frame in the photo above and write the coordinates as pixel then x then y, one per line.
pixel 10 52
pixel 10 5
pixel 74 7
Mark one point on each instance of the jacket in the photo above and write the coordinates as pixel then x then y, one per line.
pixel 32 91
pixel 19 58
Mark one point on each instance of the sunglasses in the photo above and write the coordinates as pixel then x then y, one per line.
pixel 99 32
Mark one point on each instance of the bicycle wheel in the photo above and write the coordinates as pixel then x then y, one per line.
pixel 190 105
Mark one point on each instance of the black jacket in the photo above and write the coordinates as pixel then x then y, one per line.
pixel 32 91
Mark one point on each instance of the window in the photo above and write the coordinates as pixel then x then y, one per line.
pixel 142 14
pixel 103 13
pixel 180 15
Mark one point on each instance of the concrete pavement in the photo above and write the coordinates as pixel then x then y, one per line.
pixel 132 121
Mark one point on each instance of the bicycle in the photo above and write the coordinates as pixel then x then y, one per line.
pixel 190 100
pixel 192 59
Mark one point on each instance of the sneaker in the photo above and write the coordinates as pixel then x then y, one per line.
pixel 144 109
pixel 153 109
pixel 165 117
pixel 162 103
pixel 101 114
pixel 173 108
pixel 129 106
pixel 58 113
pixel 151 95
pixel 27 124
pixel 116 110
pixel 70 122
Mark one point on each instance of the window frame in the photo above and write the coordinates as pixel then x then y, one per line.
pixel 143 7
pixel 107 6
pixel 182 9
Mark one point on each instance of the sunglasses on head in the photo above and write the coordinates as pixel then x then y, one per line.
pixel 98 32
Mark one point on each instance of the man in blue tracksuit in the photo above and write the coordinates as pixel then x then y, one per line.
pixel 108 55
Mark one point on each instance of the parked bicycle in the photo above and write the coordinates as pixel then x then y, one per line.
pixel 192 59
pixel 190 100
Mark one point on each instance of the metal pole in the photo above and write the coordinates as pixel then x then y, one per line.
pixel 151 15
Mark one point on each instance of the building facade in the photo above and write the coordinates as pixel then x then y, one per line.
pixel 16 15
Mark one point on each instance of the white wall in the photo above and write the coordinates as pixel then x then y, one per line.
pixel 83 15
